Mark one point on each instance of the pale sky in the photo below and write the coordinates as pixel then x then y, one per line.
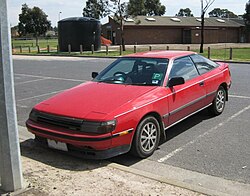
pixel 74 7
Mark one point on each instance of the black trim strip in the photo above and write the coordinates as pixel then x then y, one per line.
pixel 187 105
pixel 187 116
pixel 212 93
pixel 67 136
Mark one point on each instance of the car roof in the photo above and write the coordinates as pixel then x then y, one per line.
pixel 161 54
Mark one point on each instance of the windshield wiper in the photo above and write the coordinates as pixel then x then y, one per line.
pixel 112 79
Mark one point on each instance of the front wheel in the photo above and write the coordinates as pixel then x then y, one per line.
pixel 219 102
pixel 146 138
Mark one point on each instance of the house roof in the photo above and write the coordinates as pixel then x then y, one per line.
pixel 181 21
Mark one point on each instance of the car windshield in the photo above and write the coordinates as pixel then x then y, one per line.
pixel 135 71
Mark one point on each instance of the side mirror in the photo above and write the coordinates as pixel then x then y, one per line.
pixel 94 74
pixel 176 81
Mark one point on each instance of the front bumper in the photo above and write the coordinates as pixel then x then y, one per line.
pixel 79 144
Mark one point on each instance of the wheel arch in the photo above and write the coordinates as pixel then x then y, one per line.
pixel 163 136
pixel 224 85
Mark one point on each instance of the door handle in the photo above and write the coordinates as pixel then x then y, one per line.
pixel 202 83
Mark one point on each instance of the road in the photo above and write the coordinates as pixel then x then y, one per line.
pixel 216 146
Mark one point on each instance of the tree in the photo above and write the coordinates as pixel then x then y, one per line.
pixel 185 12
pixel 95 9
pixel 204 8
pixel 222 13
pixel 246 16
pixel 33 21
pixel 154 8
pixel 145 7
pixel 136 8
pixel 119 10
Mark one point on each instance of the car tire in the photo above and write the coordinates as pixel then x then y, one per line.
pixel 146 138
pixel 219 102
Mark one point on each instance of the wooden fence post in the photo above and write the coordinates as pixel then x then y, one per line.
pixel 150 48
pixel 167 47
pixel 188 48
pixel 134 48
pixel 120 50
pixel 29 49
pixel 209 52
pixel 48 48
pixel 107 50
pixel 231 54
pixel 21 49
pixel 38 49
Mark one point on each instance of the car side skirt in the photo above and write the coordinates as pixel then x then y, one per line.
pixel 187 116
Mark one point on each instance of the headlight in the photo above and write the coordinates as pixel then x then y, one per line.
pixel 98 127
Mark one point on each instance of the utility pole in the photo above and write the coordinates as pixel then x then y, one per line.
pixel 11 178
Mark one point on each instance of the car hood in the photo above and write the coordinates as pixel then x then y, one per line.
pixel 92 100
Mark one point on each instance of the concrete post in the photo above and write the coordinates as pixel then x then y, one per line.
pixel 92 48
pixel 10 164
pixel 81 49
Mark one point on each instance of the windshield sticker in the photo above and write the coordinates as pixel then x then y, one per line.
pixel 155 81
pixel 157 76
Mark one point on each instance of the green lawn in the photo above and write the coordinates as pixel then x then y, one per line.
pixel 32 43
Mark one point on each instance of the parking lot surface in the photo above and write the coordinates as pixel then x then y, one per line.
pixel 216 146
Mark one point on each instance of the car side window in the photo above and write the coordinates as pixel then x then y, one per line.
pixel 183 67
pixel 203 64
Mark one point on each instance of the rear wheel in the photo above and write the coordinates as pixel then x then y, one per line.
pixel 219 102
pixel 146 138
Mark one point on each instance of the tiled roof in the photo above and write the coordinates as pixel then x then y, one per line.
pixel 181 21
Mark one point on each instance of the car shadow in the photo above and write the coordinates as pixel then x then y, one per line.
pixel 58 159
pixel 128 159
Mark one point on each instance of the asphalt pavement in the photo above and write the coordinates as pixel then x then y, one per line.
pixel 213 146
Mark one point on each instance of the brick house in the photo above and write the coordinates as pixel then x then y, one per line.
pixel 175 30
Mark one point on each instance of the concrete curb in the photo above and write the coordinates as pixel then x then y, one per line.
pixel 178 177
pixel 173 182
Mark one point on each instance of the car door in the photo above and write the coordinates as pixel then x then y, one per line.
pixel 211 75
pixel 186 98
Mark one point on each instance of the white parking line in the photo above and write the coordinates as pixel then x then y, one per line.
pixel 18 83
pixel 237 96
pixel 168 156
pixel 53 78
pixel 40 95
pixel 21 106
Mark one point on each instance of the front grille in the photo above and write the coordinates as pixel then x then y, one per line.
pixel 59 121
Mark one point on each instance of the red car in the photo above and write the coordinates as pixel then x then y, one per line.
pixel 130 104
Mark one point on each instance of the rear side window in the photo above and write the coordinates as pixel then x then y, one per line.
pixel 183 67
pixel 203 64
